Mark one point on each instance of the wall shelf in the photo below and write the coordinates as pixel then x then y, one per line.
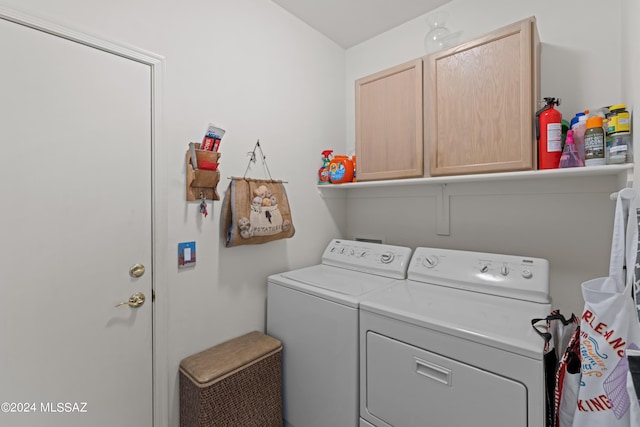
pixel 624 171
pixel 440 188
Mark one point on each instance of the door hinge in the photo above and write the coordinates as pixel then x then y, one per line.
pixel 153 296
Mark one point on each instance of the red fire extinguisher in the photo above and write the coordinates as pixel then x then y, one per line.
pixel 549 135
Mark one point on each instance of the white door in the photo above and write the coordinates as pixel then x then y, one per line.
pixel 75 216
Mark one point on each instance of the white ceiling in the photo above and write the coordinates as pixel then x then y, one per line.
pixel 349 22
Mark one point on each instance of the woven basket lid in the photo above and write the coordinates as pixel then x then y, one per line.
pixel 216 362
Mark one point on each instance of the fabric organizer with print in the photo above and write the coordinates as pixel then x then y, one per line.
pixel 255 211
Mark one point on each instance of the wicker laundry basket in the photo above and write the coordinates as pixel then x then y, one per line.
pixel 235 384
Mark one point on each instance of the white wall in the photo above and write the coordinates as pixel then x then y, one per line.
pixel 568 222
pixel 260 73
pixel 576 36
pixel 630 69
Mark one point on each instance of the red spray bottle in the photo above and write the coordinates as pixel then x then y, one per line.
pixel 323 172
pixel 549 135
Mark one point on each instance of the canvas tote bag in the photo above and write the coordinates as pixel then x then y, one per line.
pixel 255 211
pixel 608 328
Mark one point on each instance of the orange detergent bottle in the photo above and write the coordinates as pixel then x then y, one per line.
pixel 340 170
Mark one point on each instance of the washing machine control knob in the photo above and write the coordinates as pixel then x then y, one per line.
pixel 387 257
pixel 484 268
pixel 504 270
pixel 352 251
pixel 527 274
pixel 430 261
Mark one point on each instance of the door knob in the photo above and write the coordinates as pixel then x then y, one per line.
pixel 136 270
pixel 135 300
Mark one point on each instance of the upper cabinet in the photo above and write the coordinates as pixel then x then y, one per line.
pixel 480 101
pixel 389 131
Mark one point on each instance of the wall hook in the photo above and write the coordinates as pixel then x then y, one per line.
pixel 253 159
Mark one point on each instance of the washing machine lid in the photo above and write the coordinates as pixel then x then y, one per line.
pixel 500 322
pixel 337 284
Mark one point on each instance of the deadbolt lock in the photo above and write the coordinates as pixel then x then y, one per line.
pixel 136 270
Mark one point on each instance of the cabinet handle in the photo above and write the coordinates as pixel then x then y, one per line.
pixel 433 371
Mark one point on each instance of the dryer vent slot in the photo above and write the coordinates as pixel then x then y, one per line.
pixel 369 239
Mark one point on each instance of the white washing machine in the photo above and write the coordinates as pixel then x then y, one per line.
pixel 453 344
pixel 314 312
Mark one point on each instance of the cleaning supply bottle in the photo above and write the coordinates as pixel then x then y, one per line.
pixel 340 170
pixel 570 157
pixel 594 142
pixel 579 126
pixel 353 160
pixel 619 119
pixel 549 135
pixel 323 172
pixel 618 136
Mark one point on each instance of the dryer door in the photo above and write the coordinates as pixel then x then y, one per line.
pixel 408 386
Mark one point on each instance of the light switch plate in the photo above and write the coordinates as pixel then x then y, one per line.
pixel 186 254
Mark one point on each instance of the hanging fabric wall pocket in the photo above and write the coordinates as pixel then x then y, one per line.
pixel 202 173
pixel 255 210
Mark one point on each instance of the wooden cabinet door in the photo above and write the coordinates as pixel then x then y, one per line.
pixel 481 100
pixel 389 132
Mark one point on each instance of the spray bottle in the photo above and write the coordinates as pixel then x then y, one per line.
pixel 579 126
pixel 549 135
pixel 323 172
pixel 570 157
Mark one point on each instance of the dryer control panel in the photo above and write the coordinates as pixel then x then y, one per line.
pixel 509 276
pixel 373 258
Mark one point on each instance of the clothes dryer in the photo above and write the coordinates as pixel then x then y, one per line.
pixel 314 312
pixel 453 344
